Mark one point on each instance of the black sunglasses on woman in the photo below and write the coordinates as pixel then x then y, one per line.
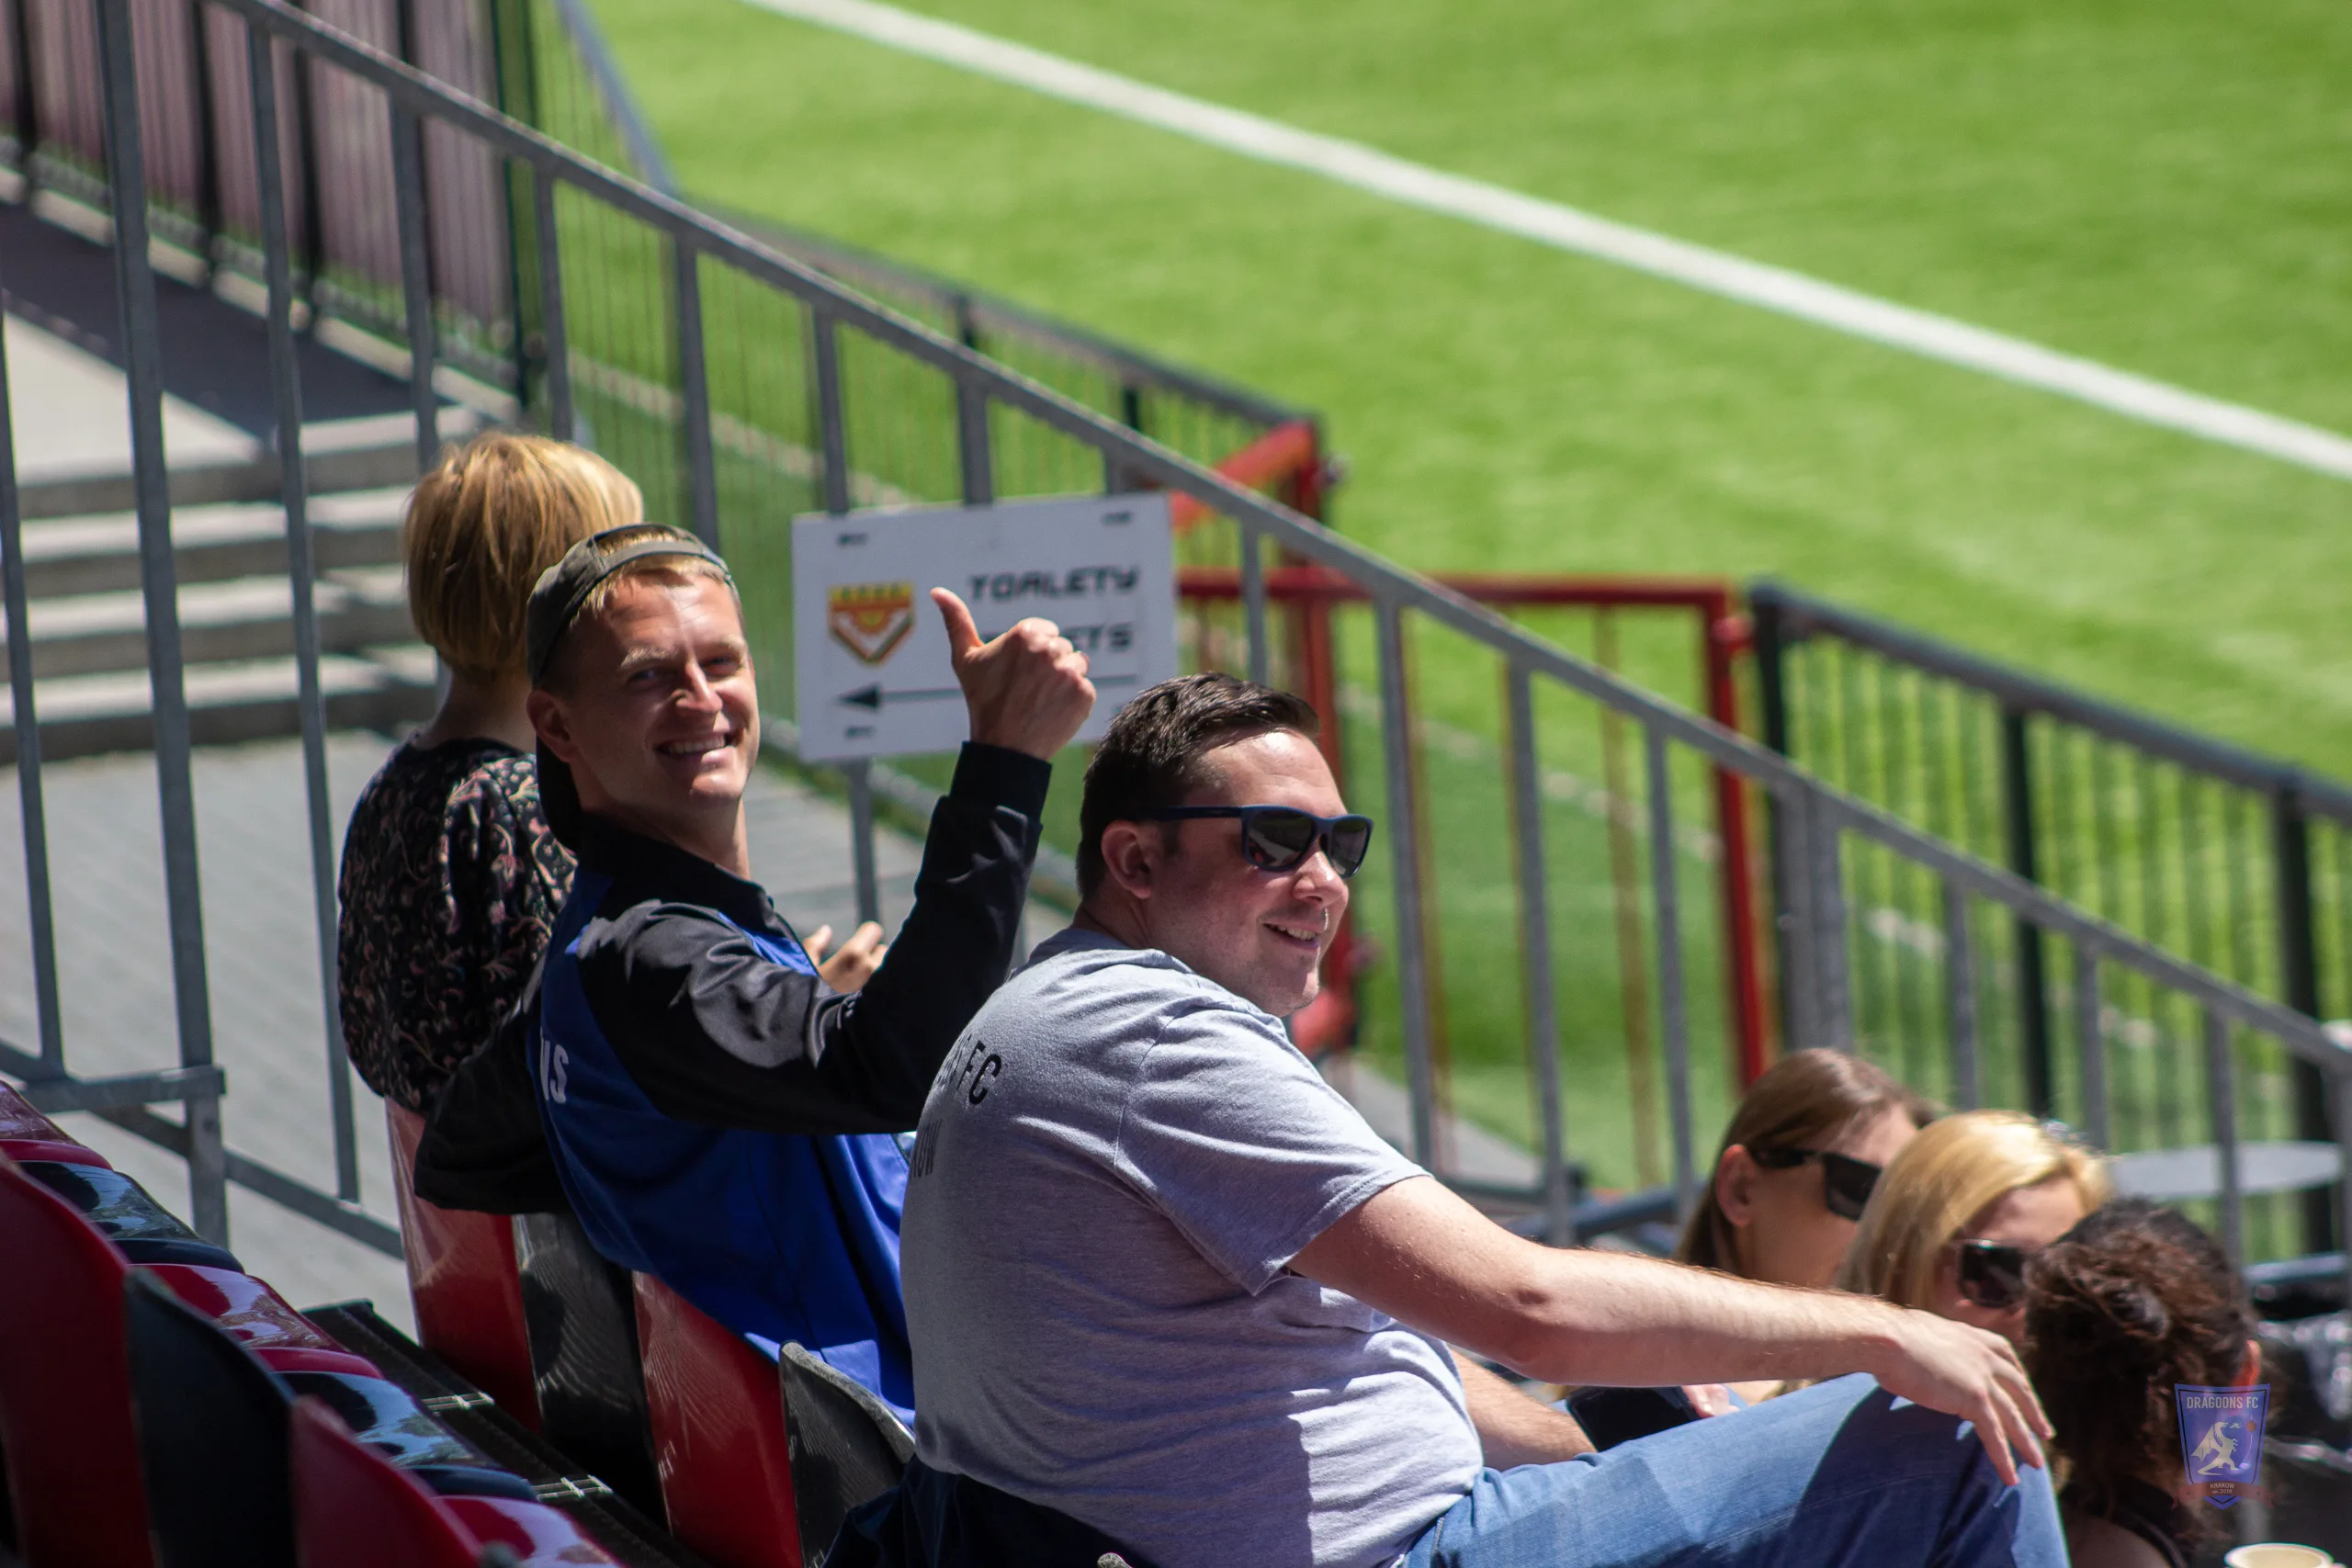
pixel 1845 1182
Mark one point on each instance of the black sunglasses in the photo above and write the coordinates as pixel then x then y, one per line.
pixel 1281 838
pixel 1992 1274
pixel 1845 1182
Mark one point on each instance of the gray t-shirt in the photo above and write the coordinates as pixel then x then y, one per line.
pixel 1113 1168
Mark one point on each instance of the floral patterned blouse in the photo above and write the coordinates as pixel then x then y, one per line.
pixel 451 883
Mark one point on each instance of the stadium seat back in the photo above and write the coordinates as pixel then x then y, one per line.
pixel 717 1407
pixel 462 1281
pixel 848 1447
pixel 536 1534
pixel 120 1210
pixel 353 1508
pixel 258 1318
pixel 65 1426
pixel 580 1312
pixel 211 1425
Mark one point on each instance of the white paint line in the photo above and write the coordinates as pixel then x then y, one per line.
pixel 1566 228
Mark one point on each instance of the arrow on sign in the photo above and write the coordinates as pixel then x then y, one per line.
pixel 874 696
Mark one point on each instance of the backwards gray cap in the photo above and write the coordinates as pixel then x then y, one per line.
pixel 556 602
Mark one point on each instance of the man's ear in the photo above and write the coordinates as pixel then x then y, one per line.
pixel 1130 857
pixel 1735 1185
pixel 547 714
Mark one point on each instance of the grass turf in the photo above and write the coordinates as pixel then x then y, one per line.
pixel 2151 187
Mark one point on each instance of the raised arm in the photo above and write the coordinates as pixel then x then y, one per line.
pixel 1422 1255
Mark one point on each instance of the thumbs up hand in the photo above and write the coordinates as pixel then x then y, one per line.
pixel 1026 691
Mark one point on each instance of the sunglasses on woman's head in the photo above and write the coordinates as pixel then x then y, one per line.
pixel 1281 838
pixel 1845 1182
pixel 1992 1274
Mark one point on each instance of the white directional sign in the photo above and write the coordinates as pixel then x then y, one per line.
pixel 871 658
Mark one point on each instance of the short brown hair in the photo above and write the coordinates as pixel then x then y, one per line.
pixel 1803 1101
pixel 481 526
pixel 1150 756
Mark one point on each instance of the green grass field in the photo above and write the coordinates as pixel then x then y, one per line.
pixel 2158 187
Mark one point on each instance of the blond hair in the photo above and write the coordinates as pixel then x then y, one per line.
pixel 481 526
pixel 1808 1100
pixel 1942 1179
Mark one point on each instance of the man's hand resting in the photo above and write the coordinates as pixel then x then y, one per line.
pixel 1027 690
pixel 1971 1373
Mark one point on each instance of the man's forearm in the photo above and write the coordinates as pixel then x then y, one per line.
pixel 1615 1318
pixel 1514 1430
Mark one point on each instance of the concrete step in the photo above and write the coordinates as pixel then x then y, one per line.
pixel 246 618
pixel 99 554
pixel 380 688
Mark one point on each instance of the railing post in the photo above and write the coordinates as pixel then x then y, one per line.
pixel 1673 1023
pixel 1254 600
pixel 1404 836
pixel 24 718
pixel 1828 897
pixel 301 572
pixel 2290 842
pixel 1792 864
pixel 2221 1086
pixel 694 390
pixel 1769 639
pixel 416 281
pixel 833 440
pixel 1535 965
pixel 555 339
pixel 975 458
pixel 1960 992
pixel 27 127
pixel 2090 1034
pixel 2033 989
pixel 175 784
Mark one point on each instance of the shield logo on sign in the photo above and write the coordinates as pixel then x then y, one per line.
pixel 2221 1439
pixel 870 619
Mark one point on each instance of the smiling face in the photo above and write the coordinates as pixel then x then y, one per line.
pixel 1260 934
pixel 655 709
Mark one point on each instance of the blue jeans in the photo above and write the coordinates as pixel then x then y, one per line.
pixel 1839 1475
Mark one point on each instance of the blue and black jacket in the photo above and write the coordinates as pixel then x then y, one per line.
pixel 716 1115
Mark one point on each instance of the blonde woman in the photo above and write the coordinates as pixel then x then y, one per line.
pixel 1963 1211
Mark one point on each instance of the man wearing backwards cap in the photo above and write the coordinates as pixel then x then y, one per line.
pixel 718 1116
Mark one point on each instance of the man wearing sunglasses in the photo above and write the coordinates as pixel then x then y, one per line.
pixel 1163 1280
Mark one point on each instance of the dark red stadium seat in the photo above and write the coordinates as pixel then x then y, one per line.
pixel 462 1281
pixel 25 1133
pixel 211 1425
pixel 257 1317
pixel 533 1532
pixel 354 1509
pixel 73 1460
pixel 717 1409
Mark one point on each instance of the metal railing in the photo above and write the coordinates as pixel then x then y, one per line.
pixel 2240 864
pixel 783 378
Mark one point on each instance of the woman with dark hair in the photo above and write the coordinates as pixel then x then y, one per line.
pixel 2128 1304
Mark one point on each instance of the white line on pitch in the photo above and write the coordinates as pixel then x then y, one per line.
pixel 1566 228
